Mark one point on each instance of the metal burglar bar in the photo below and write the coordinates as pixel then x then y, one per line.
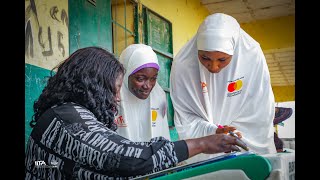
pixel 123 23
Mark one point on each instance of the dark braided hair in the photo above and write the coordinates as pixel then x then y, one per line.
pixel 87 77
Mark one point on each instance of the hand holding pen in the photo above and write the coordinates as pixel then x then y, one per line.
pixel 229 129
pixel 244 146
pixel 226 129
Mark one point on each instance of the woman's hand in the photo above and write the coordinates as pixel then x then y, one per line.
pixel 225 130
pixel 215 143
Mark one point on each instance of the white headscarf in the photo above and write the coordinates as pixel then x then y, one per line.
pixel 141 119
pixel 239 95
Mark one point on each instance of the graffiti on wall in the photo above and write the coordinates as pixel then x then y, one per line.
pixel 46 30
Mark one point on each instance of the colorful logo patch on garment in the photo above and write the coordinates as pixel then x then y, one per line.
pixel 235 87
pixel 154 115
pixel 120 121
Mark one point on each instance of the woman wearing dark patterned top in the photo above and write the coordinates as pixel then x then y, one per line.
pixel 74 136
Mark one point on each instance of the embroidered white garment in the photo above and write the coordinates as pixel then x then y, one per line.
pixel 141 119
pixel 240 95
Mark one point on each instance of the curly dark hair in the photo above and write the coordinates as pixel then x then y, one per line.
pixel 87 77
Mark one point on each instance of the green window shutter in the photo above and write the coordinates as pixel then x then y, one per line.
pixel 157 33
pixel 89 24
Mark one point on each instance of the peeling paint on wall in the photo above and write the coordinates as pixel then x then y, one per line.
pixel 46 32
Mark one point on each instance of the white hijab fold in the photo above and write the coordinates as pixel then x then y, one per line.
pixel 141 119
pixel 239 95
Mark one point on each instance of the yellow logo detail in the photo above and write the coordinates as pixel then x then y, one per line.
pixel 154 115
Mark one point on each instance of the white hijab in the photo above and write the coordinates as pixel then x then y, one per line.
pixel 240 95
pixel 141 119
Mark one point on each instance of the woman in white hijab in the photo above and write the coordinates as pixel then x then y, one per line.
pixel 142 112
pixel 220 77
